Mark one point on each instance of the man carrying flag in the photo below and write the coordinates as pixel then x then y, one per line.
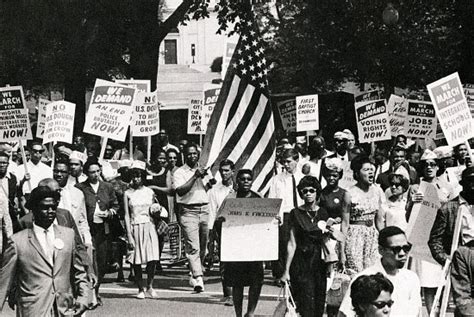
pixel 241 127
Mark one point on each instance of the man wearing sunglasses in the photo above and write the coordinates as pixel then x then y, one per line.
pixel 37 170
pixel 394 249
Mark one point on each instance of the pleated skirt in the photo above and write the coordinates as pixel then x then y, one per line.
pixel 146 243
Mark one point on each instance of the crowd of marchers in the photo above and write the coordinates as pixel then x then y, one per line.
pixel 70 214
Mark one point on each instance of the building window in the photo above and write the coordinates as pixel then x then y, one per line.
pixel 171 52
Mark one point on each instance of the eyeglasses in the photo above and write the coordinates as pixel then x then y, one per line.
pixel 381 305
pixel 396 249
pixel 37 151
pixel 431 164
pixel 308 190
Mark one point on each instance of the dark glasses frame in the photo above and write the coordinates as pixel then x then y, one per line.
pixel 381 305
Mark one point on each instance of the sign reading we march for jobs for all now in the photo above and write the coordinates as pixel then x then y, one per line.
pixel 452 109
pixel 14 121
pixel 372 121
pixel 110 110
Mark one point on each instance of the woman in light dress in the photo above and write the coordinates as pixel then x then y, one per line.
pixel 142 237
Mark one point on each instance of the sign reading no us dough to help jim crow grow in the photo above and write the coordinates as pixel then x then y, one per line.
pixel 372 121
pixel 146 120
pixel 59 124
pixel 452 109
pixel 307 113
pixel 110 110
pixel 14 121
pixel 421 120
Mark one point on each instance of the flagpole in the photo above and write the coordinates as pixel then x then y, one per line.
pixel 102 148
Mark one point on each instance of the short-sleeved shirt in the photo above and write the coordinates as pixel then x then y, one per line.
pixel 197 194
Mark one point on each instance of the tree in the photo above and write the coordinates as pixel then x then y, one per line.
pixel 318 45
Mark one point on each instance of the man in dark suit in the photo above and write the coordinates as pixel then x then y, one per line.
pixel 101 206
pixel 441 235
pixel 8 190
pixel 42 262
pixel 462 280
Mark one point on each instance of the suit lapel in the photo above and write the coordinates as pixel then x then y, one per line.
pixel 34 241
pixel 58 249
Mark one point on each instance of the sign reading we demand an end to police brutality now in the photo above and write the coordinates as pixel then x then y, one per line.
pixel 14 121
pixel 372 121
pixel 452 109
pixel 110 110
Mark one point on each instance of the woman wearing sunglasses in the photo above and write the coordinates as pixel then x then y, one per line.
pixel 429 272
pixel 304 265
pixel 372 295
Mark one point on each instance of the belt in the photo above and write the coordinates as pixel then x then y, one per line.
pixel 194 205
pixel 368 222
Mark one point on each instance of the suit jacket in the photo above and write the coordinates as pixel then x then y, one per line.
pixel 105 198
pixel 65 219
pixel 12 204
pixel 78 211
pixel 441 235
pixel 39 282
pixel 462 280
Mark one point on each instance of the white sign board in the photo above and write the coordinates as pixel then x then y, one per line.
pixel 14 121
pixel 250 230
pixel 421 120
pixel 110 110
pixel 59 125
pixel 194 116
pixel 452 109
pixel 141 85
pixel 397 112
pixel 421 221
pixel 42 103
pixel 146 121
pixel 373 123
pixel 307 113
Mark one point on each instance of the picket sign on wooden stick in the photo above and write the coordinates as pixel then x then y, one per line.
pixel 52 153
pixel 131 144
pixel 148 149
pixel 23 156
pixel 102 148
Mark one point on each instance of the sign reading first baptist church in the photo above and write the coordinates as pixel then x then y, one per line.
pixel 14 121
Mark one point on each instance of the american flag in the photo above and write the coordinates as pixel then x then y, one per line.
pixel 241 127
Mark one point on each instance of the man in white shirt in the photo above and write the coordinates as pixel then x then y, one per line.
pixel 284 186
pixel 394 249
pixel 8 149
pixel 192 182
pixel 76 163
pixel 217 194
pixel 72 199
pixel 37 170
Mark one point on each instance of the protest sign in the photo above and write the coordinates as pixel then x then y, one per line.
pixel 210 95
pixel 372 121
pixel 141 85
pixel 307 113
pixel 421 221
pixel 59 125
pixel 287 110
pixel 110 110
pixel 14 121
pixel 368 96
pixel 452 110
pixel 194 116
pixel 146 121
pixel 421 120
pixel 250 230
pixel 41 117
pixel 469 92
pixel 397 113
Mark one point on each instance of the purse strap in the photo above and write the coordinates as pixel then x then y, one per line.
pixel 288 297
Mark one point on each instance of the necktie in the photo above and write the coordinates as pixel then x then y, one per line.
pixel 49 246
pixel 295 198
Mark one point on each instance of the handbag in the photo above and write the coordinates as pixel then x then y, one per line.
pixel 286 305
pixel 338 288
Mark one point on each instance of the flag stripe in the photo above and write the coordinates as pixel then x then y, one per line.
pixel 266 155
pixel 235 105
